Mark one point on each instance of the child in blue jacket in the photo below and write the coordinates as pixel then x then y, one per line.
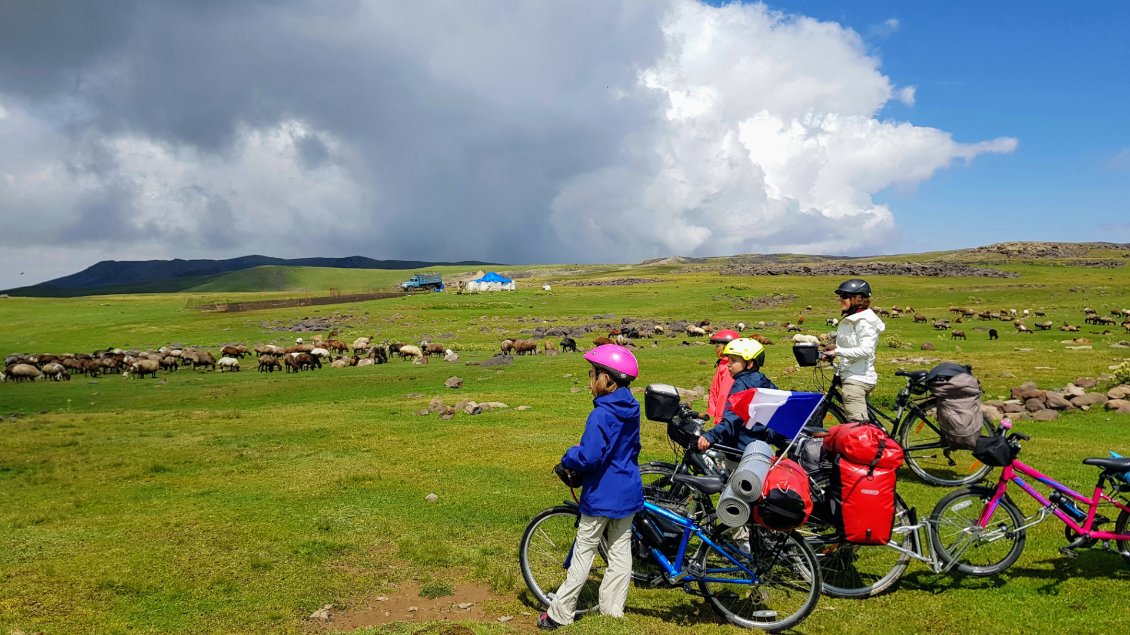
pixel 746 358
pixel 607 459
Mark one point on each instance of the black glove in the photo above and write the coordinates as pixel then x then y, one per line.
pixel 568 477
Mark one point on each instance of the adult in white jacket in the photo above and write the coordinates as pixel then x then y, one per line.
pixel 856 338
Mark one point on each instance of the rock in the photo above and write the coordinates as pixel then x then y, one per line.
pixel 1007 375
pixel 322 614
pixel 474 363
pixel 928 346
pixel 1089 399
pixel 1086 382
pixel 1025 394
pixel 505 618
pixel 465 605
pixel 413 609
pixel 414 395
pixel 447 414
pixel 453 382
pixel 1056 401
pixel 705 362
pixel 575 389
pixel 425 412
pixel 1045 415
pixel 1079 348
pixel 436 404
pixel 1072 391
pixel 1119 392
pixel 1121 406
pixel 432 497
pixel 1013 407
pixel 992 412
pixel 382 598
pixel 453 357
pixel 523 408
pixel 499 360
pixel 1033 404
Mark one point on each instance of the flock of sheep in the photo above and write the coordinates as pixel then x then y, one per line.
pixel 303 356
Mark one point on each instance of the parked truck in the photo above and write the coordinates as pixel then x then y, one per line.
pixel 423 282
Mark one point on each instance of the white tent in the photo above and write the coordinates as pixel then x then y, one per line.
pixel 491 282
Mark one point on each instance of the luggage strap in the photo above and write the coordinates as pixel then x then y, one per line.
pixel 878 455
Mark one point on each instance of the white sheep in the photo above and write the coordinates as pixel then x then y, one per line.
pixel 741 327
pixel 831 322
pixel 810 339
pixel 230 364
pixel 320 352
pixel 409 350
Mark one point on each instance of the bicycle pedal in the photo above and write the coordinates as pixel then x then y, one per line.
pixel 1068 552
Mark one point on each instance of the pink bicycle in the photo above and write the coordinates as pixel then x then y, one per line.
pixel 982 532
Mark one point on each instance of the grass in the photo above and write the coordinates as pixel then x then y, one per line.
pixel 201 502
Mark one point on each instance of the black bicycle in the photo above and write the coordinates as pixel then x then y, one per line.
pixel 915 427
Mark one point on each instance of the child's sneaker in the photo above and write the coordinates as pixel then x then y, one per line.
pixel 546 623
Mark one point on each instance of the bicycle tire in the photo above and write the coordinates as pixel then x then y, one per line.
pixel 787 587
pixel 932 462
pixel 859 571
pixel 1120 527
pixel 544 554
pixel 979 552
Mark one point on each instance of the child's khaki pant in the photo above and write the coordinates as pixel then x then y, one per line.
pixel 614 586
pixel 855 399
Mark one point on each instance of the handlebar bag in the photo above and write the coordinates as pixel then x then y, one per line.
pixel 786 498
pixel 994 451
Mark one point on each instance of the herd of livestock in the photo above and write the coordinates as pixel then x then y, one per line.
pixel 303 356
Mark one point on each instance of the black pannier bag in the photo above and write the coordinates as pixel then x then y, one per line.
pixel 661 402
pixel 994 451
pixel 958 395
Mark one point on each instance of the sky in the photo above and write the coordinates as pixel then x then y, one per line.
pixel 554 131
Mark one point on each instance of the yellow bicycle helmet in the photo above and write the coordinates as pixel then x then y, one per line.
pixel 746 348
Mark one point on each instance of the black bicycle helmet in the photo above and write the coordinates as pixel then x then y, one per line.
pixel 855 286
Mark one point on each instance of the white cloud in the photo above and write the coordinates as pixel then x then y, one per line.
pixel 507 131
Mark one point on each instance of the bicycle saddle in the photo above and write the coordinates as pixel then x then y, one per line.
pixel 705 484
pixel 1118 465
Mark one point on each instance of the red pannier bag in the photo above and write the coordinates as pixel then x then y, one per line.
pixel 863 481
pixel 786 498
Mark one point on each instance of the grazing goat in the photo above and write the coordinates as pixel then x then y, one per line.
pixel 601 341
pixel 918 317
pixel 521 347
pixel 230 364
pixel 993 334
pixel 143 367
pixel 269 363
pixel 568 345
pixel 1020 328
pixel 957 334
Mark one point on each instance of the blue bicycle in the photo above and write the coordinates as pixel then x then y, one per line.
pixel 754 578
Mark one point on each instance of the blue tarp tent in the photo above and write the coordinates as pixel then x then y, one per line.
pixel 491 282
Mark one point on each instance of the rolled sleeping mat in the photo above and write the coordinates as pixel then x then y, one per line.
pixel 732 510
pixel 750 474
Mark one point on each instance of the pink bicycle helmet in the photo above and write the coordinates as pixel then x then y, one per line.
pixel 616 361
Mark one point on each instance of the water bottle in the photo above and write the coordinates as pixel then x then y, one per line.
pixel 1067 506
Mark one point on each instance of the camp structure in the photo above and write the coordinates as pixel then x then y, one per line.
pixel 490 281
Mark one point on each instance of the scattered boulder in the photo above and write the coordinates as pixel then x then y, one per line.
pixel 1072 391
pixel 499 360
pixel 322 614
pixel 453 382
pixel 1086 382
pixel 432 497
pixel 1121 406
pixel 928 346
pixel 1119 392
pixel 994 413
pixel 1013 406
pixel 451 357
pixel 1089 399
pixel 1032 404
pixel 1057 401
pixel 1045 415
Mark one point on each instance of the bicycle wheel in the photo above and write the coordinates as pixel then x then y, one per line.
pixel 928 456
pixel 860 571
pixel 957 536
pixel 783 590
pixel 545 552
pixel 1120 527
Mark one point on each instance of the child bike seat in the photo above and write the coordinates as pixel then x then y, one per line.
pixel 705 484
pixel 1116 465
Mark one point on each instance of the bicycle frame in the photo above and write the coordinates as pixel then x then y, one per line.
pixel 677 571
pixel 1009 474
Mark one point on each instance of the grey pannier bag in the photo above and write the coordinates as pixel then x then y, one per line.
pixel 959 407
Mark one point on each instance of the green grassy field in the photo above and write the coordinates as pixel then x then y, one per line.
pixel 207 502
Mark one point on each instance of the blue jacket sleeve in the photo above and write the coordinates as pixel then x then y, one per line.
pixel 590 453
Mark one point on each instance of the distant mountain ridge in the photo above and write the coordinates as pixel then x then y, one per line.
pixel 156 276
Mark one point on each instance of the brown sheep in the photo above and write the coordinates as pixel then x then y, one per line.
pixel 23 372
pixel 761 339
pixel 1020 328
pixel 143 367
pixel 601 341
pixel 521 347
pixel 549 346
pixel 957 334
pixel 1044 326
pixel 237 351
pixel 918 317
pixel 507 346
pixel 269 364
pixel 433 348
